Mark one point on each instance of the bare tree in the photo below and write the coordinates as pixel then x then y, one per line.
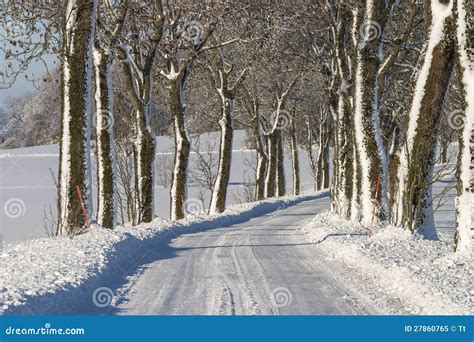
pixel 294 155
pixel 137 58
pixel 412 202
pixel 464 11
pixel 76 88
pixel 273 134
pixel 221 72
pixel 110 24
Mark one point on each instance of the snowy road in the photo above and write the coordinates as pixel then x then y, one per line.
pixel 262 266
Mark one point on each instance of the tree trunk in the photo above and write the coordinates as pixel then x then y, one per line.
pixel 444 144
pixel 227 94
pixel 411 194
pixel 354 212
pixel 262 162
pixel 182 148
pixel 260 176
pixel 339 93
pixel 219 193
pixel 295 159
pixel 465 166
pixel 138 84
pixel 106 198
pixel 280 177
pixel 272 165
pixel 76 89
pixel 144 154
pixel 368 135
pixel 327 162
pixel 319 163
pixel 309 149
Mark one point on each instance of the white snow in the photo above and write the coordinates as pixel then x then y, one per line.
pixel 26 175
pixel 67 270
pixel 425 275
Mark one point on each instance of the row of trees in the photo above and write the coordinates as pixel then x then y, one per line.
pixel 141 48
pixel 365 81
pixel 397 146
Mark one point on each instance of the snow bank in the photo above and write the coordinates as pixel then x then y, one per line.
pixel 425 275
pixel 59 275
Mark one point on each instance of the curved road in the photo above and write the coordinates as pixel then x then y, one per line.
pixel 263 266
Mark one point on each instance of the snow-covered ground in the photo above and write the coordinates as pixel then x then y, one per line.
pixel 27 189
pixel 271 257
pixel 74 275
pixel 425 275
pixel 279 256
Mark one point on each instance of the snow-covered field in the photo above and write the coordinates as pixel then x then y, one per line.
pixel 27 189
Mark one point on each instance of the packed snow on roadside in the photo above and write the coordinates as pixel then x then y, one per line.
pixel 425 275
pixel 41 274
